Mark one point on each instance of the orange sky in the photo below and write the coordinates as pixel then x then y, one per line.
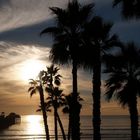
pixel 14 84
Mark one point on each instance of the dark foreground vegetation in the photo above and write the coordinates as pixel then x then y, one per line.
pixel 6 121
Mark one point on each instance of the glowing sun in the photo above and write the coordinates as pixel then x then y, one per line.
pixel 31 68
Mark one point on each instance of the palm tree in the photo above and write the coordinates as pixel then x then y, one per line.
pixel 130 8
pixel 124 83
pixel 55 98
pixel 66 110
pixel 36 86
pixel 97 40
pixel 66 48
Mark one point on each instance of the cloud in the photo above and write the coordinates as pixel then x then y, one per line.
pixel 28 34
pixel 15 13
pixel 128 30
pixel 12 56
pixel 19 29
pixel 24 22
pixel 4 3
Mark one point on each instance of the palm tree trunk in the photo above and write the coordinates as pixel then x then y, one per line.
pixel 61 126
pixel 75 107
pixel 44 113
pixel 134 118
pixel 96 98
pixel 69 127
pixel 55 122
pixel 74 76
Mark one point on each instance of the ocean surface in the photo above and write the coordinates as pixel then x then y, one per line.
pixel 31 128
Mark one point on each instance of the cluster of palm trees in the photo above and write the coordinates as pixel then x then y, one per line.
pixel 84 40
pixel 49 81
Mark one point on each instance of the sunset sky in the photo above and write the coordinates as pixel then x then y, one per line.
pixel 23 53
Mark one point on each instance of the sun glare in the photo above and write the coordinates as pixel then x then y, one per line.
pixel 31 68
pixel 35 124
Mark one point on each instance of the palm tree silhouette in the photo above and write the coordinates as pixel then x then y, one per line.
pixel 66 110
pixel 55 98
pixel 48 106
pixel 36 86
pixel 130 8
pixel 124 83
pixel 65 50
pixel 97 40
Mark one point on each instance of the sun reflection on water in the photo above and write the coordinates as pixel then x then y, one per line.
pixel 35 125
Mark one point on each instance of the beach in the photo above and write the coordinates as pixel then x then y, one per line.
pixel 31 128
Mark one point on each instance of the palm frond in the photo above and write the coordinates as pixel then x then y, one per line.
pixel 30 89
pixel 57 91
pixel 49 89
pixel 39 110
pixel 124 96
pixel 62 100
pixel 57 82
pixel 49 110
pixel 51 30
pixel 58 76
pixel 65 109
pixel 106 28
pixel 33 82
pixel 55 70
pixel 73 7
pixel 111 43
pixel 116 78
pixel 32 92
pixel 49 98
pixel 59 54
pixel 61 16
pixel 110 92
pixel 85 12
pixel 56 10
pixel 137 73
pixel 49 103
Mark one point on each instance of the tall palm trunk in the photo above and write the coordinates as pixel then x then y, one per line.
pixel 133 118
pixel 44 112
pixel 55 121
pixel 96 97
pixel 69 127
pixel 75 106
pixel 61 127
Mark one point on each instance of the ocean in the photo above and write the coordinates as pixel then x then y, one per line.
pixel 31 128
